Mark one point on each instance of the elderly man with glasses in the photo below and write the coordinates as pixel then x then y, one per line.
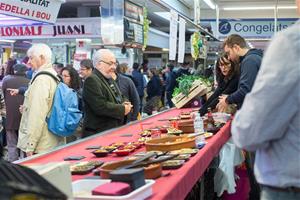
pixel 105 107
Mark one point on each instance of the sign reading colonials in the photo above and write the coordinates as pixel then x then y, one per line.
pixel 64 28
pixel 38 10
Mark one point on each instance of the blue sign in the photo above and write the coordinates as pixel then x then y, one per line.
pixel 247 28
pixel 224 27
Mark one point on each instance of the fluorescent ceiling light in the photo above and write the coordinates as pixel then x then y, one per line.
pixel 210 4
pixel 259 8
pixel 8 41
pixel 165 15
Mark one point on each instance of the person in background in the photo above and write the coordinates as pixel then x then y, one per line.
pixel 162 77
pixel 104 107
pixel 34 136
pixel 139 81
pixel 250 59
pixel 86 68
pixel 58 67
pixel 3 138
pixel 9 67
pixel 170 83
pixel 123 69
pixel 128 90
pixel 183 70
pixel 71 78
pixel 153 92
pixel 12 103
pixel 268 121
pixel 227 76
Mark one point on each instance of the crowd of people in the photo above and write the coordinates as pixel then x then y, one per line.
pixel 110 94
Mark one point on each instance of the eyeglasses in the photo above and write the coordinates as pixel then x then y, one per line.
pixel 108 63
pixel 227 65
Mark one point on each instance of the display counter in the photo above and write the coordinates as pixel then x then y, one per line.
pixel 174 186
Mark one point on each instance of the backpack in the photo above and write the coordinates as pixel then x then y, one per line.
pixel 64 115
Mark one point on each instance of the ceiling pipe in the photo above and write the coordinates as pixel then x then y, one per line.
pixel 275 16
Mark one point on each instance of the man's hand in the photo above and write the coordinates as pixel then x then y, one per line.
pixel 222 105
pixel 128 107
pixel 29 153
pixel 21 108
pixel 13 92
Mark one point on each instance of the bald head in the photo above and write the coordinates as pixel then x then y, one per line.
pixel 105 61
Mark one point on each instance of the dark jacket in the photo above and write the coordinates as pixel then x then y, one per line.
pixel 139 81
pixel 249 66
pixel 128 89
pixel 13 115
pixel 171 81
pixel 154 87
pixel 224 87
pixel 102 104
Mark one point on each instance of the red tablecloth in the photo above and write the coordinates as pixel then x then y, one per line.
pixel 177 185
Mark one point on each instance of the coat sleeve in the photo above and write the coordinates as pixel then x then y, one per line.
pixel 249 71
pixel 97 101
pixel 38 106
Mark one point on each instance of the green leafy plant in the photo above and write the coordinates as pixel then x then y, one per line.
pixel 185 83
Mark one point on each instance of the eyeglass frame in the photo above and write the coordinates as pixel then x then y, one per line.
pixel 108 63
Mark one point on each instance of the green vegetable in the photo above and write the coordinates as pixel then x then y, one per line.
pixel 185 83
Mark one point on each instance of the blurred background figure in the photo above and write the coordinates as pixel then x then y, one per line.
pixel 12 103
pixel 153 92
pixel 86 68
pixel 58 67
pixel 139 81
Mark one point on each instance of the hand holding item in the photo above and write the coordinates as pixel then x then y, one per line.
pixel 21 108
pixel 13 92
pixel 128 107
pixel 222 105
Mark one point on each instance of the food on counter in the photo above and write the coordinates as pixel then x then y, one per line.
pixel 122 152
pixel 174 131
pixel 145 133
pixel 182 157
pixel 172 164
pixel 185 151
pixel 81 169
pixel 112 189
pixel 100 152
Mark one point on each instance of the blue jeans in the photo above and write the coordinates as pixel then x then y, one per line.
pixel 270 194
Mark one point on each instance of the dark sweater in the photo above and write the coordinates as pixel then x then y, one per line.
pixel 129 90
pixel 154 87
pixel 224 87
pixel 249 66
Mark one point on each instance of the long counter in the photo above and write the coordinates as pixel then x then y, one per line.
pixel 175 186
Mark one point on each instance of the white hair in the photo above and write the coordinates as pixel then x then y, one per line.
pixel 40 49
pixel 99 55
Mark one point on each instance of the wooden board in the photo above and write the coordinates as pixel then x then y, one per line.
pixel 197 89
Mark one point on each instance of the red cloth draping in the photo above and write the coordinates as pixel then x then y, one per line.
pixel 177 185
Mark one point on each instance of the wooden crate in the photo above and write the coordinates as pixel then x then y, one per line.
pixel 197 89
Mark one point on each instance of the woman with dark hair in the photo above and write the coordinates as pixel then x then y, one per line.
pixel 71 77
pixel 227 76
pixel 9 68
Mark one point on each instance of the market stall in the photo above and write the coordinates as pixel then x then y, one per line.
pixel 176 185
